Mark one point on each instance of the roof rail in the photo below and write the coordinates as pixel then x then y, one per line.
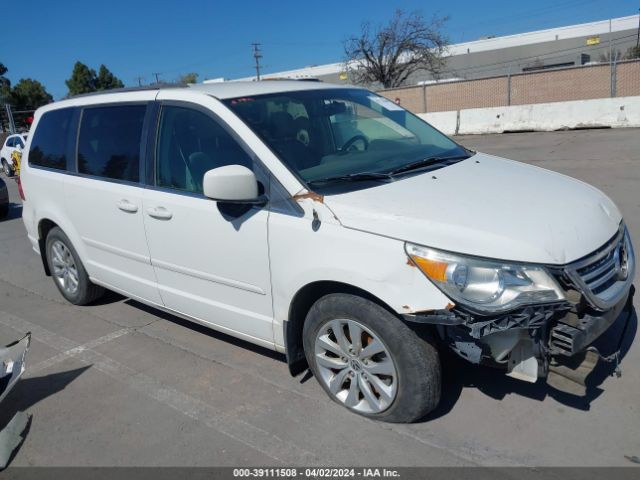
pixel 142 88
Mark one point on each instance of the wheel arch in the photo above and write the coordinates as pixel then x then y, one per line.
pixel 45 225
pixel 299 307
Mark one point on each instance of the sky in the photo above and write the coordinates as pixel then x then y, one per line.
pixel 138 38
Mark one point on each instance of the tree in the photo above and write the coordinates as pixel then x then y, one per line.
pixel 29 94
pixel 107 80
pixel 188 78
pixel 85 80
pixel 632 53
pixel 5 83
pixel 608 57
pixel 389 54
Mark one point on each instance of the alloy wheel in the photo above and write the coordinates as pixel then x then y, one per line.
pixel 65 270
pixel 356 366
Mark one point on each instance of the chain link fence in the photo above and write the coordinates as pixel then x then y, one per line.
pixel 574 83
pixel 14 121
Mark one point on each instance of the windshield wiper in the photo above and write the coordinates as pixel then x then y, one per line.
pixel 354 177
pixel 424 163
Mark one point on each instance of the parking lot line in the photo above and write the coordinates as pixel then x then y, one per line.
pixel 77 350
pixel 241 431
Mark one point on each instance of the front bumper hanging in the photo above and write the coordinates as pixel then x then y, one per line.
pixel 552 341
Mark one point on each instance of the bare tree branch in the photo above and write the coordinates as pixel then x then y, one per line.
pixel 391 53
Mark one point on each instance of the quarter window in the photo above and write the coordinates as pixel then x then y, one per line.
pixel 189 144
pixel 109 142
pixel 49 143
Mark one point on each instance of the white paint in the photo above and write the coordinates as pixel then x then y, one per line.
pixel 10 145
pixel 603 112
pixel 496 208
pixel 231 182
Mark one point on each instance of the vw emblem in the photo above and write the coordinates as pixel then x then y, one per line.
pixel 621 261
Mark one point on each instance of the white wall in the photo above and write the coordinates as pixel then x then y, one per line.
pixel 605 112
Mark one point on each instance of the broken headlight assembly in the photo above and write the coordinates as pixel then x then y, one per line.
pixel 482 285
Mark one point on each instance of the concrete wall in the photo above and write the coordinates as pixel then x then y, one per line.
pixel 605 112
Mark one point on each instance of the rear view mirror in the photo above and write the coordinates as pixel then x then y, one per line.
pixel 232 184
pixel 335 108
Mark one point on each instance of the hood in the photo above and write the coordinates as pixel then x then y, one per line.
pixel 487 206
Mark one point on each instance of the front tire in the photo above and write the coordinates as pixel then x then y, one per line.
pixel 67 270
pixel 369 361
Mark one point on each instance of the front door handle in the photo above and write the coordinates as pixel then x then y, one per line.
pixel 126 206
pixel 160 213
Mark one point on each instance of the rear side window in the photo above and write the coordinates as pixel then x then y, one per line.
pixel 109 142
pixel 49 143
pixel 10 142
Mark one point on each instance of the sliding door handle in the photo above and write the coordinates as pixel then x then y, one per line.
pixel 160 213
pixel 126 206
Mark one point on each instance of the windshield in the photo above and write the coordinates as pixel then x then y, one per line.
pixel 338 134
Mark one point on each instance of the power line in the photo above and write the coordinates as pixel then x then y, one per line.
pixel 157 75
pixel 139 80
pixel 257 55
pixel 527 14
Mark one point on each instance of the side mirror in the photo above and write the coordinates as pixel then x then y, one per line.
pixel 232 184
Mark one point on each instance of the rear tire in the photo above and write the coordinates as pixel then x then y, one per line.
pixel 4 211
pixel 405 373
pixel 67 270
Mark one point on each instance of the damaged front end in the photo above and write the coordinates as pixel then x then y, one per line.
pixel 549 340
pixel 12 366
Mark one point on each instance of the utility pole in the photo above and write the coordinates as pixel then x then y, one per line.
pixel 156 74
pixel 139 79
pixel 257 55
pixel 638 39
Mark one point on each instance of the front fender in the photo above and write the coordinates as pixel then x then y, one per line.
pixel 302 253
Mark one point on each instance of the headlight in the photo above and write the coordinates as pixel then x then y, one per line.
pixel 484 285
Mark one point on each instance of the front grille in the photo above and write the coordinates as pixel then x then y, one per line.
pixel 602 273
pixel 601 276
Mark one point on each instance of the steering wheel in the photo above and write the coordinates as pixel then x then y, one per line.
pixel 349 143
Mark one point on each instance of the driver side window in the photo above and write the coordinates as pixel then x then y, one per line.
pixel 189 144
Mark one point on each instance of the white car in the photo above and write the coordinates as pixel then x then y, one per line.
pixel 12 143
pixel 327 223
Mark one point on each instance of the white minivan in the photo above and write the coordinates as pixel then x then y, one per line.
pixel 328 223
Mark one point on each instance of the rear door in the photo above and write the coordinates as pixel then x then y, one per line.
pixel 211 261
pixel 104 197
